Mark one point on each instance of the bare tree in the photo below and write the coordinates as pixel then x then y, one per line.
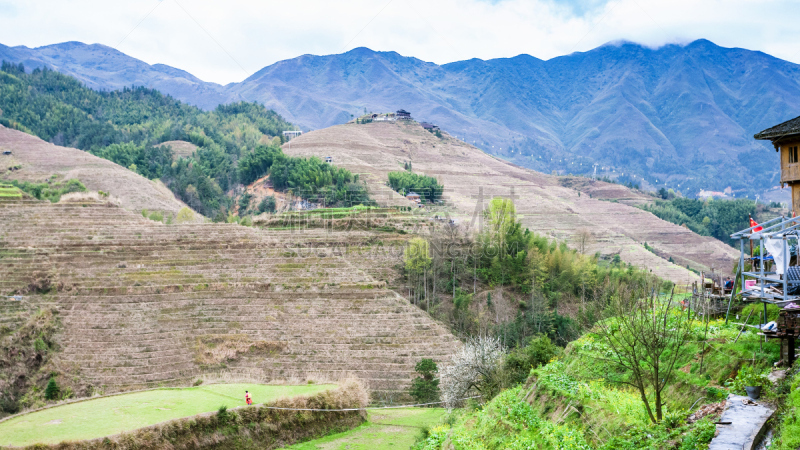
pixel 584 238
pixel 474 369
pixel 644 336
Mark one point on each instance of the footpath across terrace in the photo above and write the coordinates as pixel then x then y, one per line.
pixel 105 416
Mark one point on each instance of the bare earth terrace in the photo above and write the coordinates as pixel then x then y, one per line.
pixel 545 204
pixel 143 304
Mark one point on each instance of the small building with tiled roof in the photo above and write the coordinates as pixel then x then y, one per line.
pixel 785 138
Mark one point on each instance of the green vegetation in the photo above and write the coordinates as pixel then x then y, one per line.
pixel 94 418
pixel 52 391
pixel 389 429
pixel 789 428
pixel 8 191
pixel 427 187
pixel 425 388
pixel 126 127
pixel 537 273
pixel 581 400
pixel 267 205
pixel 716 218
pixel 308 178
pixel 51 190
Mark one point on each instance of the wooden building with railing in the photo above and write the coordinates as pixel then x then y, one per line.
pixel 785 138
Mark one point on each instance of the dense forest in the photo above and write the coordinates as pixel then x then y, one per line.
pixel 427 187
pixel 716 218
pixel 126 127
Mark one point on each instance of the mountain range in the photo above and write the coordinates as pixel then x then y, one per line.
pixel 680 116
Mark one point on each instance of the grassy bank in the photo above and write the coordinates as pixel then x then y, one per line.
pixel 577 401
pixel 384 430
pixel 117 414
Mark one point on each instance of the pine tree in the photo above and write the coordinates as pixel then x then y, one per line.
pixel 52 391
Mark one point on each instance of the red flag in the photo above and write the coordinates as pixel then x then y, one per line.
pixel 754 224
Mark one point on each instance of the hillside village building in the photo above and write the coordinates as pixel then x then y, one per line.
pixel 289 135
pixel 413 196
pixel 402 114
pixel 785 138
pixel 429 126
pixel 774 276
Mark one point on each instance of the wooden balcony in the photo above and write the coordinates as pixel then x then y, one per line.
pixel 790 172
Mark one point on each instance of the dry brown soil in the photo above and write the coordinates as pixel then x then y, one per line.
pixel 39 160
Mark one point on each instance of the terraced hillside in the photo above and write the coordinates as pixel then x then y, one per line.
pixel 141 303
pixel 35 160
pixel 546 205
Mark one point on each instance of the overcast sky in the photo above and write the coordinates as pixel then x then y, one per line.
pixel 225 41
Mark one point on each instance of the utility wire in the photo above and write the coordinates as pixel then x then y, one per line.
pixel 137 25
pixel 212 37
pixel 365 26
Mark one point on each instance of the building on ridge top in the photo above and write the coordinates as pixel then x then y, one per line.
pixel 402 114
pixel 289 135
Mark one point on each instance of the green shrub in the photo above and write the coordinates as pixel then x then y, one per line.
pixel 50 190
pixel 244 203
pixel 425 388
pixel 52 391
pixel 40 345
pixel 518 363
pixel 267 204
pixel 185 215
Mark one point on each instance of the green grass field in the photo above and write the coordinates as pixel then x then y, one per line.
pixel 112 415
pixel 389 429
pixel 7 191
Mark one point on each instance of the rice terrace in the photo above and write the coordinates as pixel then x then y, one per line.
pixel 597 250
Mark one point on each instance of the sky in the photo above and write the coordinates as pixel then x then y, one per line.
pixel 227 41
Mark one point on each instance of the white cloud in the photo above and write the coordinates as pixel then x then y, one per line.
pixel 227 41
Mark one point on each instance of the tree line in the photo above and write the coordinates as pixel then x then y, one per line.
pixel 715 218
pixel 427 187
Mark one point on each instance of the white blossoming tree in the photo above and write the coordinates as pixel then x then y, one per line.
pixel 473 370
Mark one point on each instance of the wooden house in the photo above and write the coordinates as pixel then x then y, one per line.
pixel 413 196
pixel 289 135
pixel 429 126
pixel 785 138
pixel 402 114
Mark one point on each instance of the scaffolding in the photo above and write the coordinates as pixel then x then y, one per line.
pixel 771 279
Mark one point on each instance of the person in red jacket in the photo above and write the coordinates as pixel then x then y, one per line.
pixel 247 398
